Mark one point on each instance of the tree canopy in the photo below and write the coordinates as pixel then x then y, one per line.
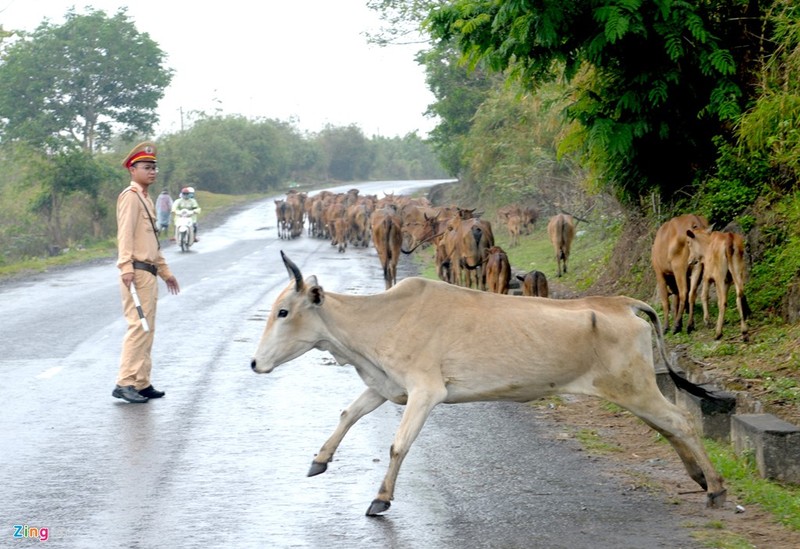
pixel 80 82
pixel 650 82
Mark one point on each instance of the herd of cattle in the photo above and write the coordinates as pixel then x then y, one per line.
pixel 685 252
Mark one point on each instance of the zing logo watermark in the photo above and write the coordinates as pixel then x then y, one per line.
pixel 25 531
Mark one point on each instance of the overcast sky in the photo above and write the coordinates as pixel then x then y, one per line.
pixel 305 61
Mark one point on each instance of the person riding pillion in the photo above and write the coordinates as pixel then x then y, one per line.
pixel 187 200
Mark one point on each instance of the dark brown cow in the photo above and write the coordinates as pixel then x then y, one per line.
pixel 670 260
pixel 534 284
pixel 498 270
pixel 561 230
pixel 721 255
pixel 388 239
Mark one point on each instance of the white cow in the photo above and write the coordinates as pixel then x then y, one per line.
pixel 427 342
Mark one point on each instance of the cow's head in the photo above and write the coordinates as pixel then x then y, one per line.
pixel 293 325
pixel 417 233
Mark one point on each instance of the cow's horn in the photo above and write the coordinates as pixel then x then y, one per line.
pixel 294 272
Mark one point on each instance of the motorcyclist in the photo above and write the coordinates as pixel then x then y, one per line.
pixel 187 200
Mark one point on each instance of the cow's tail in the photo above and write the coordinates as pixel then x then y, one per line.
pixel 388 228
pixel 677 378
pixel 562 233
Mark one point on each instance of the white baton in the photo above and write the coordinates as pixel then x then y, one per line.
pixel 145 325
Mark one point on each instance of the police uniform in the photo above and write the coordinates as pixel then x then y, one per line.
pixel 138 253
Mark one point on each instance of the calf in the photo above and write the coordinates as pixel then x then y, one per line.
pixel 498 270
pixel 721 255
pixel 534 284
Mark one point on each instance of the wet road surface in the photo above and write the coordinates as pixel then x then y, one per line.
pixel 221 460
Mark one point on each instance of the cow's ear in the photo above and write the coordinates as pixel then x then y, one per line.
pixel 315 292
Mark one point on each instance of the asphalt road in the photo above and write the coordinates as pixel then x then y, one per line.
pixel 221 460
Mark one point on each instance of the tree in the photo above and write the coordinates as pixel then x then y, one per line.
pixel 652 82
pixel 402 20
pixel 349 154
pixel 772 126
pixel 229 154
pixel 66 173
pixel 459 93
pixel 79 82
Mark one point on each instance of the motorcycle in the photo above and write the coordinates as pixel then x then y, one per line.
pixel 184 229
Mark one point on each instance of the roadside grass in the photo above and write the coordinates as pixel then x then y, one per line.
pixel 592 441
pixel 713 534
pixel 212 204
pixel 743 481
pixel 100 250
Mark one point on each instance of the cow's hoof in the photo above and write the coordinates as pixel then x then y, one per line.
pixel 317 468
pixel 377 507
pixel 717 499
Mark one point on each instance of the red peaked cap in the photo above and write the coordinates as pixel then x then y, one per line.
pixel 143 152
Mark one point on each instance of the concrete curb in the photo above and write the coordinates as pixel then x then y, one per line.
pixel 773 442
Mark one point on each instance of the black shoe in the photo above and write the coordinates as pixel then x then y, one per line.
pixel 150 392
pixel 128 393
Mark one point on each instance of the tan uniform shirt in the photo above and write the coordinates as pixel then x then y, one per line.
pixel 136 240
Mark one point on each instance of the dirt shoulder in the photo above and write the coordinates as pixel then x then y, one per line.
pixel 652 464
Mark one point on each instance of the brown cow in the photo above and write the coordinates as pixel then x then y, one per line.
pixel 295 208
pixel 358 223
pixel 498 270
pixel 721 255
pixel 561 230
pixel 428 230
pixel 670 260
pixel 534 284
pixel 473 236
pixel 529 217
pixel 339 234
pixel 282 218
pixel 514 226
pixel 388 239
pixel 419 345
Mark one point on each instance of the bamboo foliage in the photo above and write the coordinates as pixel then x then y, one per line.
pixel 772 126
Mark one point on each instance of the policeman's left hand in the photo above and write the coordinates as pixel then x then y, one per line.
pixel 172 285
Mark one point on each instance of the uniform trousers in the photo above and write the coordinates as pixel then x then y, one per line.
pixel 135 363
